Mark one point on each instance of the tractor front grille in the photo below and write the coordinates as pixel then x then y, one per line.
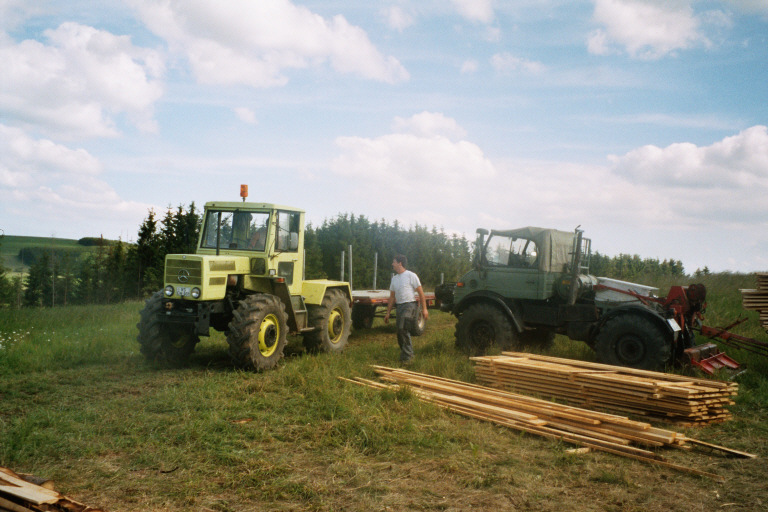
pixel 183 272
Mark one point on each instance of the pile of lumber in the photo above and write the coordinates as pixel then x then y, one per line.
pixel 595 430
pixel 659 396
pixel 26 493
pixel 758 299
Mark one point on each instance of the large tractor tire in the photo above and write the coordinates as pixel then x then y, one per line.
pixel 332 320
pixel 362 316
pixel 161 341
pixel 537 339
pixel 635 341
pixel 483 325
pixel 257 332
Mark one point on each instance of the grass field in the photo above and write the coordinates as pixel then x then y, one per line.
pixel 11 245
pixel 79 405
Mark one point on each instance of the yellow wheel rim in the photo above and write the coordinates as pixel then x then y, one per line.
pixel 269 335
pixel 335 325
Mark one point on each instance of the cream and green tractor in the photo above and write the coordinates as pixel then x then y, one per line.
pixel 246 280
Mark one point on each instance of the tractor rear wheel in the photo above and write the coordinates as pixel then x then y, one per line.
pixel 634 341
pixel 332 321
pixel 483 325
pixel 161 341
pixel 257 332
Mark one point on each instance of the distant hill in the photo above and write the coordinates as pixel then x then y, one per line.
pixel 19 252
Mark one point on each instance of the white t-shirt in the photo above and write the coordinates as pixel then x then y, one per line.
pixel 404 285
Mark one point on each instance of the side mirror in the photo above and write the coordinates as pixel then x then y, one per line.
pixel 294 243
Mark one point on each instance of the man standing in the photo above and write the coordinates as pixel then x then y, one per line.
pixel 403 293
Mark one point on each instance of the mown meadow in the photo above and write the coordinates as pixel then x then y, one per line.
pixel 79 405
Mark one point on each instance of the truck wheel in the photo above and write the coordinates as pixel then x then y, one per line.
pixel 481 326
pixel 421 323
pixel 362 316
pixel 332 322
pixel 160 341
pixel 257 333
pixel 634 341
pixel 539 339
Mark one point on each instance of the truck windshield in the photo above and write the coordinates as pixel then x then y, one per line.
pixel 238 230
pixel 504 251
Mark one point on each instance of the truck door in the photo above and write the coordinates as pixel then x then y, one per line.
pixel 512 268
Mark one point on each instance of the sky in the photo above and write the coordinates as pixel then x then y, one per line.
pixel 641 121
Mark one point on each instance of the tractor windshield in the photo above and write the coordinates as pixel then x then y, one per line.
pixel 503 251
pixel 240 230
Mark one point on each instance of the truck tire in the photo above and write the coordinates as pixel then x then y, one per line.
pixel 537 339
pixel 417 329
pixel 257 332
pixel 160 341
pixel 633 341
pixel 362 316
pixel 332 320
pixel 483 325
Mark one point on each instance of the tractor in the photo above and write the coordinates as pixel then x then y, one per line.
pixel 246 280
pixel 527 285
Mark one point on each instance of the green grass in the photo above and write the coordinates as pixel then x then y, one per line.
pixel 79 404
pixel 11 245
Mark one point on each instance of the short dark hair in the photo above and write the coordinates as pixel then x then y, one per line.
pixel 401 259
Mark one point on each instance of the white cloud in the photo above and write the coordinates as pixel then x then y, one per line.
pixel 255 43
pixel 41 180
pixel 76 85
pixel 397 19
pixel 469 66
pixel 475 10
pixel 646 29
pixel 508 63
pixel 246 115
pixel 428 125
pixel 417 169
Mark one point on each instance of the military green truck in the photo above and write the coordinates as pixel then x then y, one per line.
pixel 529 284
pixel 245 279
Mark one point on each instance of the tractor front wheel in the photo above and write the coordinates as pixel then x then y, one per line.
pixel 481 326
pixel 257 332
pixel 332 321
pixel 161 341
pixel 634 341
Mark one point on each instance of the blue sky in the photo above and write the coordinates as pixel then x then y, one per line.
pixel 642 121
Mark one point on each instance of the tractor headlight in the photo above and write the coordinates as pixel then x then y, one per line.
pixel 169 291
pixel 195 293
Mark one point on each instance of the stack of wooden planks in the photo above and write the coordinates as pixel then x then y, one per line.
pixel 757 299
pixel 672 398
pixel 596 430
pixel 22 493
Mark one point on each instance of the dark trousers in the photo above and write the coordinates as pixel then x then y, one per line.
pixel 407 312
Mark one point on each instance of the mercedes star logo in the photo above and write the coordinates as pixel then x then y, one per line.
pixel 183 275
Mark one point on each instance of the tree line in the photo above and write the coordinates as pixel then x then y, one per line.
pixel 115 271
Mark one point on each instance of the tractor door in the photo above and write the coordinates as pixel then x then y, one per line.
pixel 288 249
pixel 511 268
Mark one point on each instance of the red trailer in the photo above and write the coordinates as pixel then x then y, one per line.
pixel 365 304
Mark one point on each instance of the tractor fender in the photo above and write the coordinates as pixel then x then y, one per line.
pixel 671 328
pixel 488 297
pixel 313 291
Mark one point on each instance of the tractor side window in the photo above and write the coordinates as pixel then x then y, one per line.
pixel 524 254
pixel 288 231
pixel 497 251
pixel 504 251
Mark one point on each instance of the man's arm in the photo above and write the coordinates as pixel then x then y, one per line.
pixel 390 305
pixel 423 302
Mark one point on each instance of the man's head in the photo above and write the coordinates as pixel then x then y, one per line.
pixel 399 263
